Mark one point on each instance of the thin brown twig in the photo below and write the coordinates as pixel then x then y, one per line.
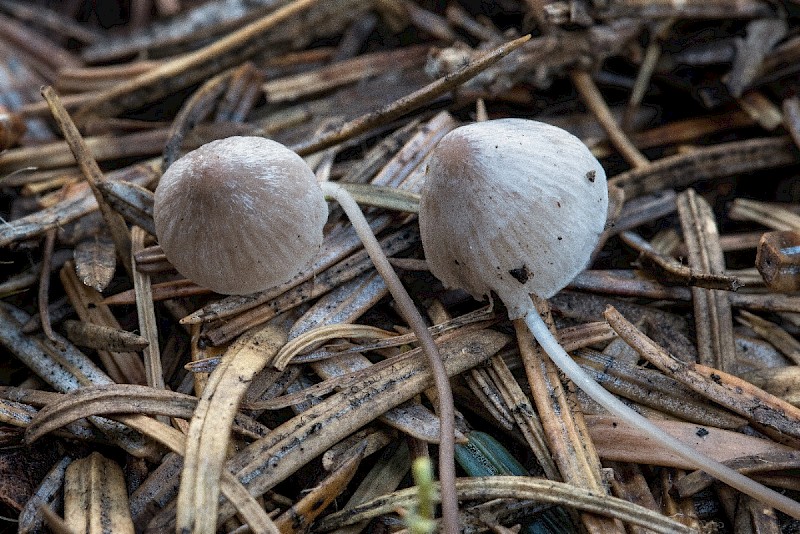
pixel 187 69
pixel 408 103
pixel 594 101
pixel 93 175
pixel 44 283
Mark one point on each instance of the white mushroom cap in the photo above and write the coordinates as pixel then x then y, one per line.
pixel 240 215
pixel 512 206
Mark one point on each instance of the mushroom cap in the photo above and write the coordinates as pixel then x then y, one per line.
pixel 512 206
pixel 240 215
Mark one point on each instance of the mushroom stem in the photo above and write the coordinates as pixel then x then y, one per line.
pixel 447 473
pixel 574 372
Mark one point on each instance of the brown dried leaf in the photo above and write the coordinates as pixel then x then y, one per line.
pixel 95 497
pixel 121 366
pixel 623 443
pixel 306 510
pixel 210 428
pixel 106 400
pixel 103 337
pixel 95 261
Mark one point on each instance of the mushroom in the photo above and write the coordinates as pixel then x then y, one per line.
pixel 244 214
pixel 239 215
pixel 514 207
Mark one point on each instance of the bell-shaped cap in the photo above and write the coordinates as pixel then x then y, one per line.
pixel 512 206
pixel 240 215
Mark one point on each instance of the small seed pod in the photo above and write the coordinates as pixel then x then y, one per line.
pixel 511 204
pixel 240 215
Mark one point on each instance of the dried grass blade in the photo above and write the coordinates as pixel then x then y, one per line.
pixel 525 416
pixel 656 390
pixel 302 86
pixel 302 513
pixel 548 491
pixel 121 366
pixel 162 291
pixel 483 315
pixel 778 461
pixel 92 174
pixel 324 333
pixel 246 505
pixel 488 395
pixel 377 196
pixel 620 442
pixel 146 312
pixel 668 268
pixel 48 494
pixel 739 396
pixel 95 497
pixel 594 100
pixel 585 334
pixel 108 400
pixel 188 69
pixel 712 308
pixel 725 159
pixel 765 213
pixel 194 110
pixel 210 428
pixel 394 381
pixel 777 336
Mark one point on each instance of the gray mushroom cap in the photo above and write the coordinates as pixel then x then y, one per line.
pixel 512 206
pixel 240 215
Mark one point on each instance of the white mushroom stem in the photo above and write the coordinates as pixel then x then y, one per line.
pixel 408 310
pixel 615 406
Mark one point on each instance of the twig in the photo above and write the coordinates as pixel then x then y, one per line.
pixel 595 102
pixel 409 102
pixel 93 174
pixel 190 68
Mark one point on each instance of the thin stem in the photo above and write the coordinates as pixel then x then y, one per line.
pixel 615 406
pixel 409 102
pixel 591 96
pixel 447 471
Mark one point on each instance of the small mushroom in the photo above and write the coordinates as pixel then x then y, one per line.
pixel 514 207
pixel 240 215
pixel 244 214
